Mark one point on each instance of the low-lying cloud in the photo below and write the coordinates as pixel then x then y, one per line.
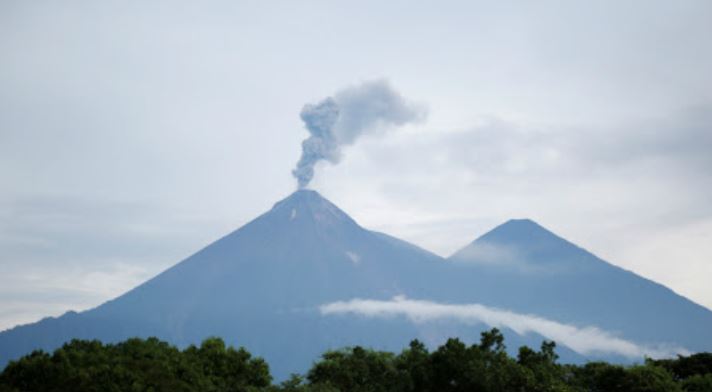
pixel 505 257
pixel 491 254
pixel 583 340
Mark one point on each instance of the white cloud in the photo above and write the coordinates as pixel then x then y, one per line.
pixel 354 257
pixel 583 340
pixel 495 255
pixel 30 294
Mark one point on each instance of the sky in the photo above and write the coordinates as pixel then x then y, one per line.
pixel 134 133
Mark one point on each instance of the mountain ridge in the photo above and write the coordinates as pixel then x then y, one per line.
pixel 262 286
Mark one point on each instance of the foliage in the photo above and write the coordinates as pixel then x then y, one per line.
pixel 153 365
pixel 137 365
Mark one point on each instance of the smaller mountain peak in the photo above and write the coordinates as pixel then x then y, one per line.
pixel 520 228
pixel 524 236
pixel 521 223
pixel 521 244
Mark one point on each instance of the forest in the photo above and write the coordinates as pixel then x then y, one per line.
pixel 154 365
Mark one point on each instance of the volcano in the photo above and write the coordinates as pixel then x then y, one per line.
pixel 266 286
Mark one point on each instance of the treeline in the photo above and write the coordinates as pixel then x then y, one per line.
pixel 153 365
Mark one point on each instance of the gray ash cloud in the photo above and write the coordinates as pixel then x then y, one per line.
pixel 368 108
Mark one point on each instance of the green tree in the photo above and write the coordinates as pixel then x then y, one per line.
pixel 414 369
pixel 683 367
pixel 228 369
pixel 649 378
pixel 599 377
pixel 698 383
pixel 541 372
pixel 356 369
pixel 457 367
pixel 137 365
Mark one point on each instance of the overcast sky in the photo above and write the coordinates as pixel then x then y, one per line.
pixel 133 133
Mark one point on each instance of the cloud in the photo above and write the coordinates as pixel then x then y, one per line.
pixel 658 146
pixel 29 294
pixel 492 254
pixel 505 257
pixel 609 188
pixel 353 112
pixel 583 340
pixel 61 253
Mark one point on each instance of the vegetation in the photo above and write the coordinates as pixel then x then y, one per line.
pixel 152 365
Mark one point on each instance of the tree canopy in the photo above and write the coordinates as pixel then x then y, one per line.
pixel 156 366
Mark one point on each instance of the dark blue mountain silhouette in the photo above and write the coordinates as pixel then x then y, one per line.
pixel 261 287
pixel 523 267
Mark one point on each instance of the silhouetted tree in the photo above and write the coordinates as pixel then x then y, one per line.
pixel 153 365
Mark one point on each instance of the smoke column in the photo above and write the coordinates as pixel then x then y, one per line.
pixel 337 121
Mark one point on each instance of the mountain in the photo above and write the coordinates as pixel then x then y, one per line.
pixel 259 287
pixel 522 266
pixel 304 277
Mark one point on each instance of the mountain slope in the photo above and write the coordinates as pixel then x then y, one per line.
pixel 523 267
pixel 260 286
pixel 266 286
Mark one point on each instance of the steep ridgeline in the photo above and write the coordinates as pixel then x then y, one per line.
pixel 523 267
pixel 304 277
pixel 259 287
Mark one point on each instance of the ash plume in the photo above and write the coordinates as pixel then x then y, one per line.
pixel 337 121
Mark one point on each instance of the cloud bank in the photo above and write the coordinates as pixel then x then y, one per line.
pixel 586 340
pixel 335 122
